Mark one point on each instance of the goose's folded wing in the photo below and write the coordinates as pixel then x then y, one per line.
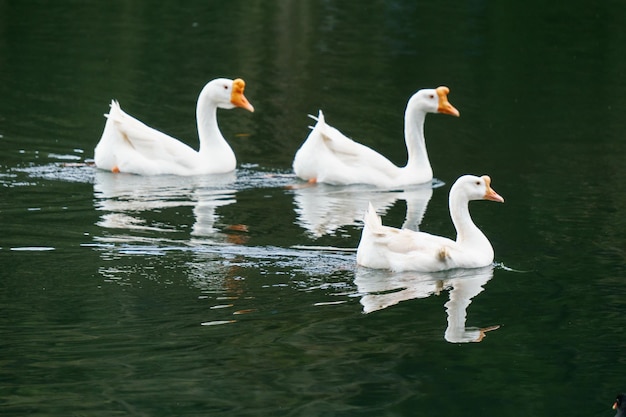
pixel 353 153
pixel 403 241
pixel 150 142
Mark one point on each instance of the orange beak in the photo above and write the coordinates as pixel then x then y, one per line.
pixel 491 194
pixel 237 97
pixel 615 405
pixel 444 105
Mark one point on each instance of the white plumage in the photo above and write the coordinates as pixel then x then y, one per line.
pixel 329 156
pixel 128 145
pixel 384 247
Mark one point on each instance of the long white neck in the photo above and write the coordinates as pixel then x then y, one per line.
pixel 211 139
pixel 466 231
pixel 417 163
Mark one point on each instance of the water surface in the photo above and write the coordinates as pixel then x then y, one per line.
pixel 238 295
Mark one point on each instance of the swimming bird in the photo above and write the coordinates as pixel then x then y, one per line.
pixel 128 145
pixel 328 156
pixel 383 247
pixel 620 405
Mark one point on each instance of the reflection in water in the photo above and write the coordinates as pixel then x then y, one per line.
pixel 323 208
pixel 125 199
pixel 381 289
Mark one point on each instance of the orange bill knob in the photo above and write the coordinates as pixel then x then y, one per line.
pixel 491 194
pixel 237 98
pixel 444 105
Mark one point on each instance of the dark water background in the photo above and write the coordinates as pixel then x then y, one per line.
pixel 210 296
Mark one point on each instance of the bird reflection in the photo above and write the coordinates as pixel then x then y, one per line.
pixel 321 209
pixel 381 289
pixel 125 199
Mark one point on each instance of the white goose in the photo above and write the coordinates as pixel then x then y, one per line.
pixel 384 247
pixel 128 145
pixel 330 157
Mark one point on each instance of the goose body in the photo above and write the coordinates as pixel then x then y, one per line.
pixel 329 156
pixel 383 247
pixel 128 145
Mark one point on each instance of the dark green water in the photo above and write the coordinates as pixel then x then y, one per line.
pixel 124 295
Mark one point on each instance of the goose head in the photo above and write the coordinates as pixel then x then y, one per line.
pixel 226 94
pixel 620 405
pixel 433 100
pixel 472 187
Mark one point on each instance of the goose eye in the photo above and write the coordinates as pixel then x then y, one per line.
pixel 477 182
pixel 431 96
pixel 225 87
